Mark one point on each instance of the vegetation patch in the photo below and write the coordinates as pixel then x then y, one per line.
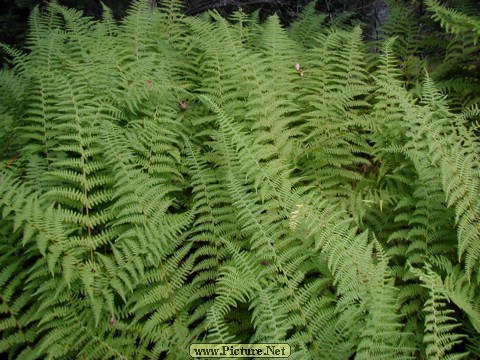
pixel 175 179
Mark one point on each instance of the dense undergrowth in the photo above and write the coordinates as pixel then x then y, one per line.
pixel 174 180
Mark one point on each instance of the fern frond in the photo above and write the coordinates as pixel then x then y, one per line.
pixel 454 21
pixel 17 313
pixel 462 189
pixel 439 322
pixel 384 335
pixel 308 25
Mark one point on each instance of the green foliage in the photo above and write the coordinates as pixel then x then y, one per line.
pixel 463 22
pixel 449 56
pixel 172 180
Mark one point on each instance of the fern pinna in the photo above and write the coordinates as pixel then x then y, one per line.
pixel 171 180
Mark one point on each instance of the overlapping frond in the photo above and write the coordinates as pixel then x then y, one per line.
pixel 171 180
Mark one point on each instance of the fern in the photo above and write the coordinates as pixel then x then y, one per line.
pixel 439 326
pixel 454 21
pixel 169 180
